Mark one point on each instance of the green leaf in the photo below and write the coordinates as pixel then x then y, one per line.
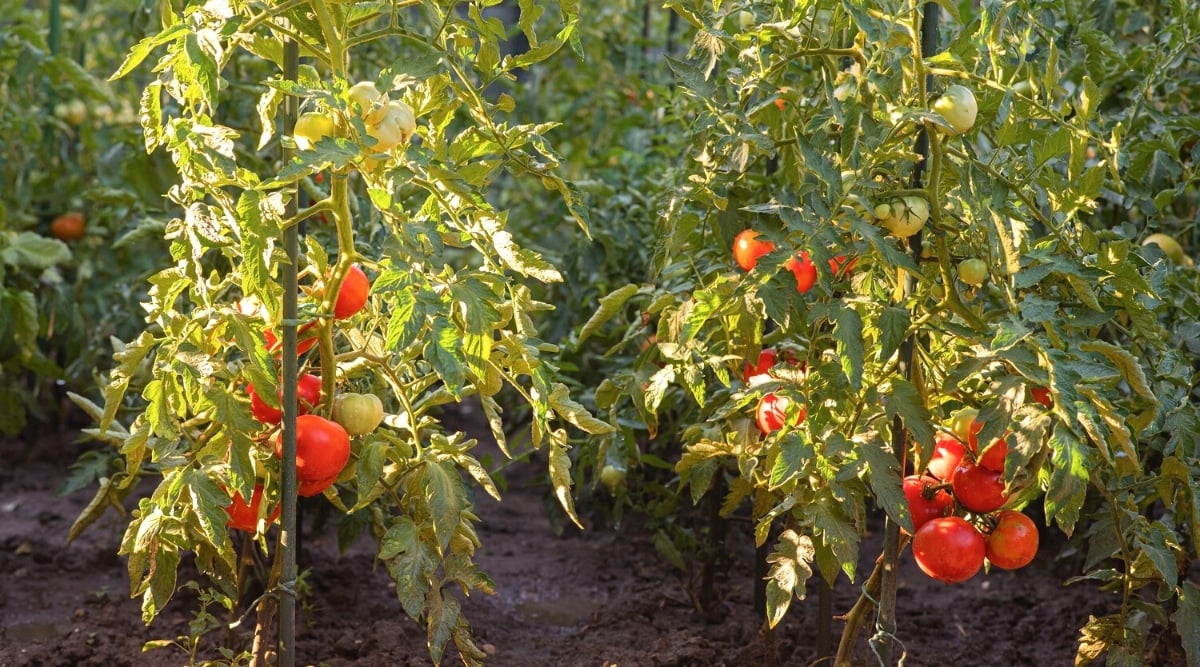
pixel 1159 544
pixel 610 305
pixel 27 250
pixel 443 493
pixel 372 455
pixel 523 261
pixel 143 49
pixel 444 353
pixel 560 474
pixel 1098 636
pixel 883 472
pixel 442 613
pixel 848 333
pixel 1126 364
pixel 1068 478
pixel 1187 622
pixel 94 510
pixel 903 400
pixel 791 568
pixel 794 454
pixel 893 323
pixel 835 530
pixel 405 320
pixel 128 358
pixel 576 414
pixel 410 562
pixel 695 81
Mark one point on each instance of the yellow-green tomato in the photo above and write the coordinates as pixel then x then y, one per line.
pixel 972 271
pixel 311 128
pixel 962 424
pixel 909 215
pixel 957 105
pixel 371 104
pixel 359 414
pixel 73 112
pixel 612 477
pixel 396 127
pixel 1170 247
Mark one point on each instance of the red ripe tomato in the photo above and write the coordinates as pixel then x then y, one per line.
pixel 322 449
pixel 993 457
pixel 947 454
pixel 353 295
pixel 306 337
pixel 68 227
pixel 804 270
pixel 1042 395
pixel 308 396
pixel 841 265
pixel 948 549
pixel 251 306
pixel 977 488
pixel 747 248
pixel 772 413
pixel 243 516
pixel 766 359
pixel 924 503
pixel 306 489
pixel 1013 543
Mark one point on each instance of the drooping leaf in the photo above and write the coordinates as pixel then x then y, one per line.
pixel 791 568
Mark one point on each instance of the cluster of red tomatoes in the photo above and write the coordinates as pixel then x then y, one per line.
pixel 322 445
pixel 956 509
pixel 956 505
pixel 748 247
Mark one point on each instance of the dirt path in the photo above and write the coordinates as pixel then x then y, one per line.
pixel 599 597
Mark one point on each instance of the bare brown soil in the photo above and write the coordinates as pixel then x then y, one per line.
pixel 599 597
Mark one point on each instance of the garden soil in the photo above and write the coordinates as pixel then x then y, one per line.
pixel 601 596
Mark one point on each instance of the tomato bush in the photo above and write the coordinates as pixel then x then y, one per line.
pixel 1057 290
pixel 448 314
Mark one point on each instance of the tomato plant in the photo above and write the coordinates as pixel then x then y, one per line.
pixel 414 155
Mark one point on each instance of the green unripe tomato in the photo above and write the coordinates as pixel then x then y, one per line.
pixel 612 477
pixel 359 414
pixel 957 105
pixel 972 271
